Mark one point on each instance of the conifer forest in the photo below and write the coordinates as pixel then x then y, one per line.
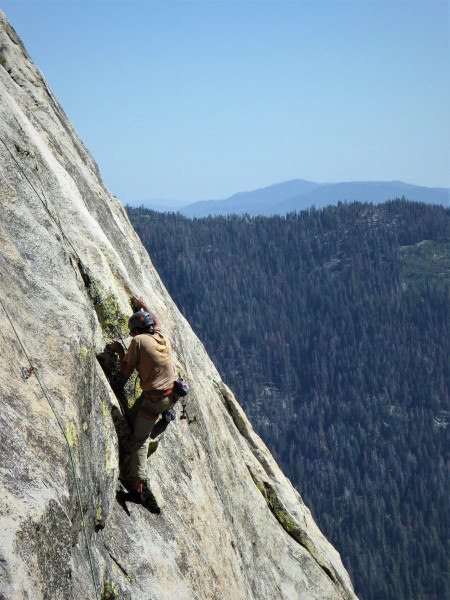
pixel 332 327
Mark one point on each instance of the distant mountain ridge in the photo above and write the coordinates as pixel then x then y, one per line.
pixel 256 202
pixel 300 194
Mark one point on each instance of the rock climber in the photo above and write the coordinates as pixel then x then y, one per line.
pixel 150 353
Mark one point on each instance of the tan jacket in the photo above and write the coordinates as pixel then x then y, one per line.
pixel 151 355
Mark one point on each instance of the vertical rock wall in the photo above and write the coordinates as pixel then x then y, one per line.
pixel 231 524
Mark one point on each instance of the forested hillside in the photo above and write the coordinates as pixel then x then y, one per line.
pixel 332 327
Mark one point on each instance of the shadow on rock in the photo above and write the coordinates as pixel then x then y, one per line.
pixel 146 498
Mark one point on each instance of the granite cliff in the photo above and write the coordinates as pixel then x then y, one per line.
pixel 231 525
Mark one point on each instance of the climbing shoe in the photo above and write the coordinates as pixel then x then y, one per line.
pixel 132 496
pixel 145 497
pixel 135 497
pixel 134 491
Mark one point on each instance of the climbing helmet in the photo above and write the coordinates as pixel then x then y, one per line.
pixel 140 320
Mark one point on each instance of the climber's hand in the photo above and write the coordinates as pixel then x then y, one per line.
pixel 137 302
pixel 116 347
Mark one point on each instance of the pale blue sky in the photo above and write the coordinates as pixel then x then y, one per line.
pixel 195 100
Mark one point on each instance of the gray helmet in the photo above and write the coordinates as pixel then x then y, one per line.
pixel 140 320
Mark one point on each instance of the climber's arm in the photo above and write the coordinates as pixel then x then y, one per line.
pixel 126 366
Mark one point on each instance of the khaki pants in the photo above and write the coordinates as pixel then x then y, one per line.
pixel 143 425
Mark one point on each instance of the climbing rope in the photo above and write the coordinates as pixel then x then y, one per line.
pixel 32 370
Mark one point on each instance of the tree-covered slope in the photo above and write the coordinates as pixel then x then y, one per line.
pixel 332 326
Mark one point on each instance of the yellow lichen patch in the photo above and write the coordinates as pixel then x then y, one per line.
pixel 120 572
pixel 289 524
pixel 109 314
pixel 71 434
pixel 285 519
pixel 152 446
pixel 99 512
pixel 84 352
pixel 111 318
pixel 259 484
pixel 110 590
pixel 107 430
pixel 309 545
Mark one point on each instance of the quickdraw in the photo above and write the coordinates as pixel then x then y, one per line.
pixel 28 372
pixel 184 415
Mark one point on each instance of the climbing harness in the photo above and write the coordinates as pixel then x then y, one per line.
pixel 32 370
pixel 156 395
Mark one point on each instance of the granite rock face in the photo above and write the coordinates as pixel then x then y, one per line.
pixel 231 525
